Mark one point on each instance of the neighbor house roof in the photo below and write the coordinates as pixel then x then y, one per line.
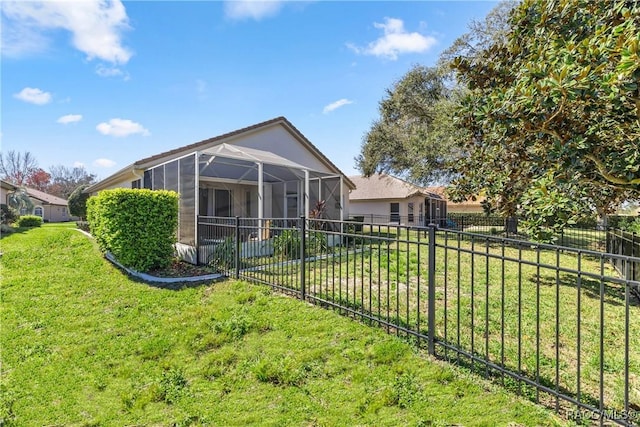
pixel 45 197
pixel 383 186
pixel 441 191
pixel 151 161
pixel 7 185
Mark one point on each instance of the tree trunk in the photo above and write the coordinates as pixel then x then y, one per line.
pixel 511 225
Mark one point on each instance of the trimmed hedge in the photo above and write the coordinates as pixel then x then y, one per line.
pixel 29 221
pixel 137 226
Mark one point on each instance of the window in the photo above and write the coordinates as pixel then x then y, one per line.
pixel 395 212
pixel 247 207
pixel 135 184
pixel 222 199
pixel 410 211
pixel 148 176
pixel 292 205
pixel 421 209
pixel 203 202
pixel 38 211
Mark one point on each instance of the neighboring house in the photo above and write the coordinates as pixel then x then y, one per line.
pixel 50 208
pixel 383 199
pixel 268 170
pixel 468 206
pixel 6 188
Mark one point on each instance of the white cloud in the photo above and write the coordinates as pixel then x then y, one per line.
pixel 121 127
pixel 70 118
pixel 103 163
pixel 395 41
pixel 78 165
pixel 104 71
pixel 96 27
pixel 251 9
pixel 33 96
pixel 335 105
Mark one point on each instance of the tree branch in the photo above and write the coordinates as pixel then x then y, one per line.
pixel 608 176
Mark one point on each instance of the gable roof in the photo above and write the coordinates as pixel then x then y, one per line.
pixel 383 186
pixel 45 197
pixel 151 161
pixel 469 202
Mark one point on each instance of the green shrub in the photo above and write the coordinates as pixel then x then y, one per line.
pixel 8 215
pixel 287 244
pixel 137 226
pixel 83 225
pixel 29 221
pixel 223 255
pixel 630 224
pixel 78 202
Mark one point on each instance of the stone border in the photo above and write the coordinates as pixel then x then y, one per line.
pixel 154 279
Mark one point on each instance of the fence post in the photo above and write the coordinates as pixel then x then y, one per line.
pixel 303 247
pixel 431 304
pixel 236 260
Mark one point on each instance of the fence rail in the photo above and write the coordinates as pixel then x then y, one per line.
pixel 552 323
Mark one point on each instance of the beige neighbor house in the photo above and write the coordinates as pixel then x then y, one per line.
pixel 383 199
pixel 468 206
pixel 264 171
pixel 49 208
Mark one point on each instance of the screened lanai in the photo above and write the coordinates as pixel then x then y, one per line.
pixel 230 180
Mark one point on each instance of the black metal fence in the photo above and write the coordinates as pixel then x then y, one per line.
pixel 624 243
pixel 553 323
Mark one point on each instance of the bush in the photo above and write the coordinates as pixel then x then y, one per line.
pixel 29 221
pixel 631 225
pixel 137 226
pixel 78 202
pixel 8 215
pixel 287 244
pixel 223 257
pixel 83 225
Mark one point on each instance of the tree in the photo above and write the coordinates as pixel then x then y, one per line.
pixel 64 180
pixel 414 136
pixel 16 167
pixel 555 109
pixel 78 202
pixel 19 200
pixel 38 179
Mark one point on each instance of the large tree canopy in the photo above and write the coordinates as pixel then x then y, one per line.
pixel 554 110
pixel 414 136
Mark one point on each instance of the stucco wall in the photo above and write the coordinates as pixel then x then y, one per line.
pixel 278 140
pixel 379 211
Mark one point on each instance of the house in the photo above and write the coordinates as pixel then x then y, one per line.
pixel 471 205
pixel 383 199
pixel 5 189
pixel 50 208
pixel 267 170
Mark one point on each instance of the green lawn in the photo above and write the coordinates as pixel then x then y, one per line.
pixel 490 307
pixel 82 344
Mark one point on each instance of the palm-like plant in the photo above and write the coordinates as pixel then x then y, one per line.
pixel 20 200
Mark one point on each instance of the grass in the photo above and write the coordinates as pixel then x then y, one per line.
pixel 490 307
pixel 83 344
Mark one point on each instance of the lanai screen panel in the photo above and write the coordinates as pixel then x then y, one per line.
pixel 171 176
pixel 331 196
pixel 187 211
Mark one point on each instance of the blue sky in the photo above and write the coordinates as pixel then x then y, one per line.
pixel 104 83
